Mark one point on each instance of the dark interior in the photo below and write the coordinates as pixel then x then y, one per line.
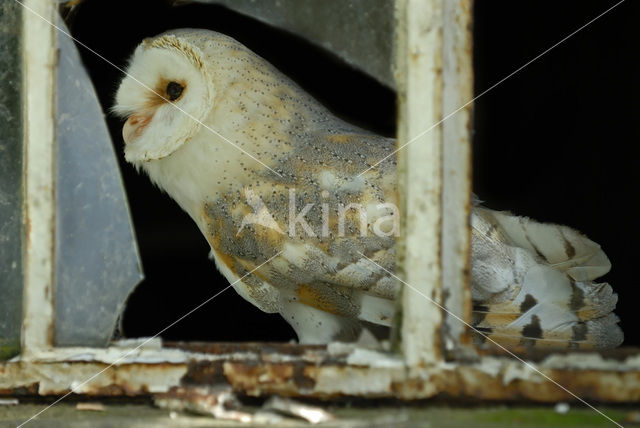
pixel 555 142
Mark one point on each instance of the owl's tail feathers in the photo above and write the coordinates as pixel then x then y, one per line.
pixel 563 248
pixel 558 305
pixel 530 331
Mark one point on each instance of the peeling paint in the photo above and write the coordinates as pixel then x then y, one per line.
pixel 356 381
pixel 317 372
pixel 60 378
pixel 39 61
pixel 419 252
pixel 457 75
pixel 582 361
pixel 369 358
pixel 519 371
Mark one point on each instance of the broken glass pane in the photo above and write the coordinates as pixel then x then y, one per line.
pixel 97 262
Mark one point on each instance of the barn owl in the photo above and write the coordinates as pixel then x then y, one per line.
pixel 270 175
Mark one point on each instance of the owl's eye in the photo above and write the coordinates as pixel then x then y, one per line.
pixel 174 90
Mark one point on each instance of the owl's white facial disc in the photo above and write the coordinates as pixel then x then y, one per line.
pixel 175 72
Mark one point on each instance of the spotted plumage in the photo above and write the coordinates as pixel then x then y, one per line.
pixel 533 284
pixel 268 174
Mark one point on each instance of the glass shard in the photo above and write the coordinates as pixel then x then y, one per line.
pixel 97 261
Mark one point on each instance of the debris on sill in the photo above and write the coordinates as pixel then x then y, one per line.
pixel 312 414
pixel 9 402
pixel 91 407
pixel 221 403
pixel 440 415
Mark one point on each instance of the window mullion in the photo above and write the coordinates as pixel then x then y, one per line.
pixel 419 80
pixel 39 57
pixel 457 73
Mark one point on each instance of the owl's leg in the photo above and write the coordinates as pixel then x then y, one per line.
pixel 314 326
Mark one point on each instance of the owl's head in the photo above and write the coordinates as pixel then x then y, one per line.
pixel 166 92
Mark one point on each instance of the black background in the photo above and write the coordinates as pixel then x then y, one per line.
pixel 556 142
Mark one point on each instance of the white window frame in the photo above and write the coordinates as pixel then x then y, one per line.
pixel 433 74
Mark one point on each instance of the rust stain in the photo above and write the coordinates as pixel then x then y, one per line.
pixel 468 383
pixel 31 389
pixel 253 379
pixel 312 371
pixel 462 383
pixel 57 378
pixel 288 379
pixel 204 373
pixel 303 378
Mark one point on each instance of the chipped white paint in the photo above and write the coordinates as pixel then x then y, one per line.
pixel 418 76
pixel 582 361
pixel 457 75
pixel 113 355
pixel 121 356
pixel 56 378
pixel 350 371
pixel 39 57
pixel 357 381
pixel 505 369
pixel 375 359
pixel 139 342
pixel 519 371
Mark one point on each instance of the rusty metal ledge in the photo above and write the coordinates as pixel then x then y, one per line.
pixel 336 371
pixel 129 379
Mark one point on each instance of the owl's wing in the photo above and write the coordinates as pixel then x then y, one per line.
pixel 533 284
pixel 324 293
pixel 313 227
pixel 350 285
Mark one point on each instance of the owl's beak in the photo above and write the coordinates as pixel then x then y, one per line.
pixel 134 126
